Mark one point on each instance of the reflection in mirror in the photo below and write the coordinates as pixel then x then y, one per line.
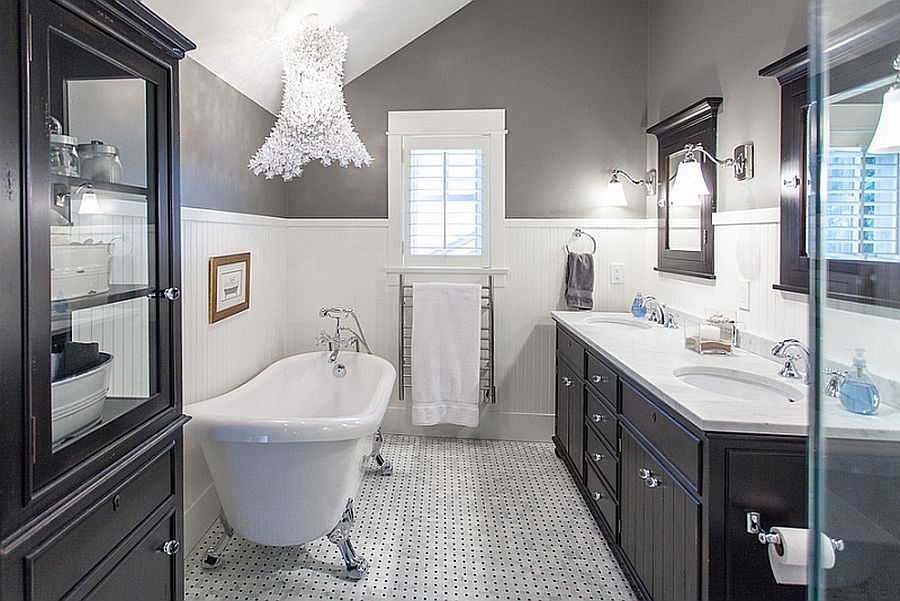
pixel 113 113
pixel 685 229
pixel 861 207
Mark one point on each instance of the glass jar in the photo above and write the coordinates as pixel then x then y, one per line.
pixel 100 162
pixel 63 151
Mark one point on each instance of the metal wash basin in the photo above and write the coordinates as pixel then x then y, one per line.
pixel 615 320
pixel 739 384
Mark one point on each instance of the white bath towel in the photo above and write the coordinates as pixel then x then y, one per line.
pixel 446 354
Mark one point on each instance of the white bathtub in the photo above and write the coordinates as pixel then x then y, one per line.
pixel 288 448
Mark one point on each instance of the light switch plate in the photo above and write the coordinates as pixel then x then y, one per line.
pixel 744 295
pixel 616 273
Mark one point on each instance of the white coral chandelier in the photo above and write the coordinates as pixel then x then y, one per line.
pixel 313 123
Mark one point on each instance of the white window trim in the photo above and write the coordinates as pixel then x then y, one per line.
pixel 490 123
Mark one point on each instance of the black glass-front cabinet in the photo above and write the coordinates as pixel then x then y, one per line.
pixel 90 407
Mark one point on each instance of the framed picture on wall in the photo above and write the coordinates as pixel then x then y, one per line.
pixel 229 285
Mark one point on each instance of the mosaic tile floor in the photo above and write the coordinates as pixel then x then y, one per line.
pixel 458 519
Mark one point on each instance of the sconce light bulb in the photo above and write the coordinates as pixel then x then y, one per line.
pixel 90 204
pixel 615 194
pixel 887 133
pixel 689 185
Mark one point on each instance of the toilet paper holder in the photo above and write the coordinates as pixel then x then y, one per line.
pixel 754 526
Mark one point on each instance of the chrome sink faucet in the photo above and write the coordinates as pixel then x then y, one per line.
pixel 793 351
pixel 659 313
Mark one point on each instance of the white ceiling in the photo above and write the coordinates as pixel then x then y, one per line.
pixel 238 39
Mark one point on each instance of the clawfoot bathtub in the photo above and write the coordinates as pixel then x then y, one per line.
pixel 287 450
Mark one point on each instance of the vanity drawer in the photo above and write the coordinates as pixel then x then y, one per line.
pixel 598 454
pixel 676 443
pixel 571 349
pixel 600 415
pixel 603 379
pixel 602 499
pixel 60 563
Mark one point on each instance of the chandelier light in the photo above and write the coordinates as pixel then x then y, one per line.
pixel 313 123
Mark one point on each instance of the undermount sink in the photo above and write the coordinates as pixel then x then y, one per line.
pixel 738 384
pixel 613 320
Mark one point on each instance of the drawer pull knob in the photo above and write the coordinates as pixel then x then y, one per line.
pixel 567 382
pixel 597 457
pixel 117 502
pixel 170 547
pixel 597 496
pixel 599 379
pixel 644 473
pixel 598 417
pixel 653 482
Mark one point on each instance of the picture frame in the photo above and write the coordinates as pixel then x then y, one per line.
pixel 229 285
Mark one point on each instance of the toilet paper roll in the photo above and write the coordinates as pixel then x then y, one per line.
pixel 790 559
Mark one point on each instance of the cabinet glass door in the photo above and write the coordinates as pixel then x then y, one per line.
pixel 98 238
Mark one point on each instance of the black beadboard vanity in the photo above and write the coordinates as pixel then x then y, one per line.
pixel 670 497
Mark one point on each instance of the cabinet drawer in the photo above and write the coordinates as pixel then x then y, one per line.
pixel 146 573
pixel 602 499
pixel 598 455
pixel 59 564
pixel 603 379
pixel 571 349
pixel 669 437
pixel 603 418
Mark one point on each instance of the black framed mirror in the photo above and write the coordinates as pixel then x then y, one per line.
pixel 861 193
pixel 685 232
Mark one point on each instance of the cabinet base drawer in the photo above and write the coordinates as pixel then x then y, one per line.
pixel 598 455
pixel 604 419
pixel 604 380
pixel 61 562
pixel 602 499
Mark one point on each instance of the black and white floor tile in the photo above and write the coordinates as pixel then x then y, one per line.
pixel 458 519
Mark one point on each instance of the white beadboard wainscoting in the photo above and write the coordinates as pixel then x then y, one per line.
pixel 219 357
pixel 301 265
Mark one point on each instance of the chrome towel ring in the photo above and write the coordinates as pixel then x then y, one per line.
pixel 578 233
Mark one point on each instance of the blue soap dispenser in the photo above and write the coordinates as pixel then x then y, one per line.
pixel 637 305
pixel 858 392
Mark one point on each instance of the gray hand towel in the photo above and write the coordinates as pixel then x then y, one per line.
pixel 580 281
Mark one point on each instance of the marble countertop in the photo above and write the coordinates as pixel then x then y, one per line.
pixel 650 357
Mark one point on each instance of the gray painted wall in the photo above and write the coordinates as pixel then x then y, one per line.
pixel 220 129
pixel 571 75
pixel 703 48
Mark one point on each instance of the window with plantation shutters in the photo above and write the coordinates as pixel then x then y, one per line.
pixel 862 206
pixel 446 196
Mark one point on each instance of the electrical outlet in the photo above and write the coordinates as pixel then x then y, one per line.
pixel 744 295
pixel 616 273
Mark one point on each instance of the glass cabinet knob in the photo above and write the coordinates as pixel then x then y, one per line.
pixel 172 294
pixel 170 547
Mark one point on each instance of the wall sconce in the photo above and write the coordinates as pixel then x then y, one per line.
pixel 615 190
pixel 887 133
pixel 90 204
pixel 689 182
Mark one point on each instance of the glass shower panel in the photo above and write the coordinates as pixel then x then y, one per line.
pixel 855 435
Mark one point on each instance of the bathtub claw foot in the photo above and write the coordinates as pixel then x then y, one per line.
pixel 384 467
pixel 213 557
pixel 356 566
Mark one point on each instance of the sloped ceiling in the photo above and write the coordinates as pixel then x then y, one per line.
pixel 238 39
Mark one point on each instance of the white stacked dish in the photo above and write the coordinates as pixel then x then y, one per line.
pixel 79 269
pixel 78 400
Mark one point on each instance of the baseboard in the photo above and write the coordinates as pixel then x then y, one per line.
pixel 200 516
pixel 494 425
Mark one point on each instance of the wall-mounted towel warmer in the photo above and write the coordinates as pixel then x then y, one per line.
pixel 486 384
